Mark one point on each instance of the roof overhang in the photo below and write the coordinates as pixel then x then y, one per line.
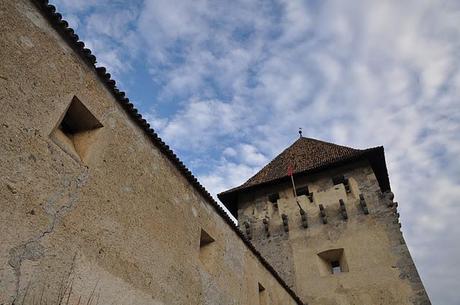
pixel 375 156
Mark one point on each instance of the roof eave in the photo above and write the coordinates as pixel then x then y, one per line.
pixel 375 156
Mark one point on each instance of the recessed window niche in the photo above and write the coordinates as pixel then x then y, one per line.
pixel 342 180
pixel 332 262
pixel 207 248
pixel 76 131
pixel 273 198
pixel 262 295
pixel 303 191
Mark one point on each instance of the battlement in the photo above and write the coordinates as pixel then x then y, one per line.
pixel 347 196
pixel 286 218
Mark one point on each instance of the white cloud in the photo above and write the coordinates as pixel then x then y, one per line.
pixel 201 123
pixel 230 152
pixel 251 156
pixel 226 175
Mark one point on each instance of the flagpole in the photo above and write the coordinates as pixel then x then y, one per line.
pixel 303 215
pixel 291 173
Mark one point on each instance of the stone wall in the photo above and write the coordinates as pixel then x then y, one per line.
pixel 375 261
pixel 91 211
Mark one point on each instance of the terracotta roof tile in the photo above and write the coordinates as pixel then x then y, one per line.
pixel 304 154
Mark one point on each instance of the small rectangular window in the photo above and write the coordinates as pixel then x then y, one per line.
pixel 332 261
pixel 273 198
pixel 302 191
pixel 335 267
pixel 338 179
pixel 342 179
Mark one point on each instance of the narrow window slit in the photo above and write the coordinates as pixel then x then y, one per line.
pixel 207 252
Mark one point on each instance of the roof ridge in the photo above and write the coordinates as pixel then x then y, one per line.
pixel 290 147
pixel 329 143
pixel 68 34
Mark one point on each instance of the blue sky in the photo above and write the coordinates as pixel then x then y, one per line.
pixel 227 84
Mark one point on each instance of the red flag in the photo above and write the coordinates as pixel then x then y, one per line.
pixel 290 170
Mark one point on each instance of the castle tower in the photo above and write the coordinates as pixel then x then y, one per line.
pixel 337 238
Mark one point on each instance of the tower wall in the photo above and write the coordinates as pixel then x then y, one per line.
pixel 376 267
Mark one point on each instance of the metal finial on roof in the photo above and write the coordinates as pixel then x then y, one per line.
pixel 300 132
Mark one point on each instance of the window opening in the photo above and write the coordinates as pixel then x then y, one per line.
pixel 338 179
pixel 205 239
pixel 273 198
pixel 303 191
pixel 335 267
pixel 332 262
pixel 342 180
pixel 262 295
pixel 207 253
pixel 75 132
pixel 78 119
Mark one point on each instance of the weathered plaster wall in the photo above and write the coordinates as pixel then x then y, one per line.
pixel 121 227
pixel 380 269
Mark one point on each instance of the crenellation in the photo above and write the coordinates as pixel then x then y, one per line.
pixel 303 216
pixel 335 201
pixel 266 226
pixel 322 214
pixel 363 204
pixel 343 209
pixel 285 222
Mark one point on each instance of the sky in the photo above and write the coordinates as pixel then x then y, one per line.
pixel 227 84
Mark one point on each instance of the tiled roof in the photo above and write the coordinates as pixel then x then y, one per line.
pixel 308 155
pixel 68 34
pixel 304 154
